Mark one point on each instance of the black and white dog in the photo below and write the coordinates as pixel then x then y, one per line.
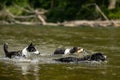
pixel 26 52
pixel 64 51
pixel 93 57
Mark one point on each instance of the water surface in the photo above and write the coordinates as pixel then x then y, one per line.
pixel 47 39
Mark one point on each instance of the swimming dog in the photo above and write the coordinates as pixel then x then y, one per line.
pixel 64 51
pixel 93 57
pixel 26 52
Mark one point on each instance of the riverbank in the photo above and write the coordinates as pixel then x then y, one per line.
pixel 75 23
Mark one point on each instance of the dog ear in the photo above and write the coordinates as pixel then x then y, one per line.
pixel 31 44
pixel 75 48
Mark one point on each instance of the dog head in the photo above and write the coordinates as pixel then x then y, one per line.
pixel 73 50
pixel 31 49
pixel 98 57
pixel 77 50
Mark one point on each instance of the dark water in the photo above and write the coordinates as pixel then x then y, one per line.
pixel 47 39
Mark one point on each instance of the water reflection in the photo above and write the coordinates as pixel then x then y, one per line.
pixel 29 68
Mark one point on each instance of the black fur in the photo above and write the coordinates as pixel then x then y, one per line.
pixel 59 51
pixel 73 50
pixel 12 53
pixel 93 57
pixel 62 50
pixel 67 59
pixel 31 48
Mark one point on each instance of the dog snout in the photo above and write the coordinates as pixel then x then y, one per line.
pixel 105 56
pixel 36 52
pixel 80 50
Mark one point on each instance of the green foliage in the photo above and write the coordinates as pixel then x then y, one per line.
pixel 89 14
pixel 55 15
pixel 39 3
pixel 114 14
pixel 14 10
pixel 61 14
pixel 61 10
pixel 72 10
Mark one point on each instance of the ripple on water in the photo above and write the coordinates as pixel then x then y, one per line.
pixel 46 59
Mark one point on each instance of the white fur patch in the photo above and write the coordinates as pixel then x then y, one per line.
pixel 67 51
pixel 105 56
pixel 27 54
pixel 36 52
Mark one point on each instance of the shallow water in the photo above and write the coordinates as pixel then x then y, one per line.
pixel 47 39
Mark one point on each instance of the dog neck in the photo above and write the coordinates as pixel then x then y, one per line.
pixel 25 53
pixel 67 51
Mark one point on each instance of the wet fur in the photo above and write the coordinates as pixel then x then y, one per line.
pixel 62 50
pixel 9 54
pixel 19 53
pixel 93 57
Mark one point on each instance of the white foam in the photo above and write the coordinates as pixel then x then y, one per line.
pixel 24 60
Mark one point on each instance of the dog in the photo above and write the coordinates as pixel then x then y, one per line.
pixel 74 50
pixel 93 57
pixel 26 52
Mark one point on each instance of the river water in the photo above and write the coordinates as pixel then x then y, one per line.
pixel 47 39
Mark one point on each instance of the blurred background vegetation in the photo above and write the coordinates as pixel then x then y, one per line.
pixel 62 10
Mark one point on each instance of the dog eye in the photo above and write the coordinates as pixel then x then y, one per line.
pixel 32 49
